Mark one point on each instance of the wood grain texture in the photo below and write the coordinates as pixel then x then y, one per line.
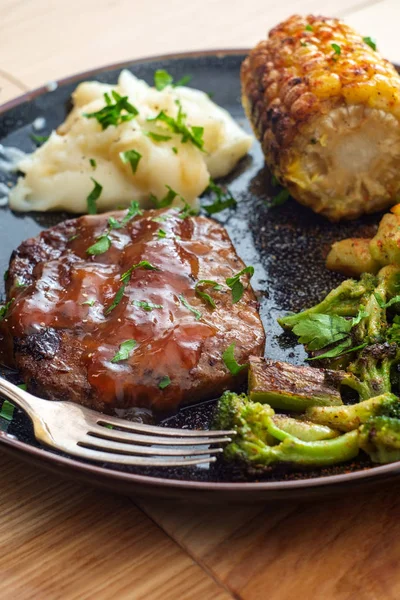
pixel 336 550
pixel 60 540
pixel 42 40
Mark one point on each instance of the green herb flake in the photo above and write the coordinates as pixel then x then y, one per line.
pixel 6 274
pixel 93 197
pixel 224 199
pixel 114 113
pixel 143 264
pixel 162 79
pixel 90 302
pixel 203 295
pixel 161 234
pixel 230 362
pixel 309 27
pixel 319 330
pixel 124 351
pixel 134 210
pixel 132 157
pixel 161 218
pixel 186 211
pixel 193 310
pixel 4 309
pixel 167 200
pixel 7 410
pixel 337 49
pixel 165 382
pixel 370 41
pixel 236 285
pixel 93 163
pixel 175 150
pixel 157 137
pixel 280 198
pixel 39 139
pixel 102 244
pixel 22 386
pixel 178 126
pixel 117 299
pixel 148 306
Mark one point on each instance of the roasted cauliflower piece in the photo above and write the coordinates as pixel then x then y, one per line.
pixel 326 108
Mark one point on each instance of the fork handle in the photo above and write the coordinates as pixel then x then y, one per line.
pixel 20 397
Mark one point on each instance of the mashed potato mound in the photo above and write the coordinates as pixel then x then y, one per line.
pixel 58 174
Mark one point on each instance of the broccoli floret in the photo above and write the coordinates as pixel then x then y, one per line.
pixel 262 441
pixel 380 439
pixel 349 417
pixel 344 301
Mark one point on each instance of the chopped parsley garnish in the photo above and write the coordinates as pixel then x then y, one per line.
pixel 370 41
pixel 7 410
pixel 4 309
pixel 187 210
pixel 309 27
pixel 132 157
pixel 117 299
pixel 320 330
pixel 39 139
pixel 19 284
pixel 337 49
pixel 161 218
pixel 207 283
pixel 236 285
pixel 134 210
pixel 73 237
pixel 143 264
pixel 149 306
pixel 114 113
pixel 280 198
pixel 124 351
pixel 90 302
pixel 93 197
pixel 167 200
pixel 161 234
pixel 162 79
pixel 22 386
pixel 165 382
pixel 224 199
pixel 6 274
pixel 102 245
pixel 193 134
pixel 157 137
pixel 193 310
pixel 175 150
pixel 93 163
pixel 230 362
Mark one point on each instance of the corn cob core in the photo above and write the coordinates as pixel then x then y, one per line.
pixel 326 108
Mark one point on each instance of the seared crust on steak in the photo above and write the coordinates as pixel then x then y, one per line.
pixel 65 325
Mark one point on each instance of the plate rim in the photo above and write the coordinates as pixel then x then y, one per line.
pixel 44 89
pixel 48 457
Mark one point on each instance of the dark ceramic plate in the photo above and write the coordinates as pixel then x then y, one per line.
pixel 286 245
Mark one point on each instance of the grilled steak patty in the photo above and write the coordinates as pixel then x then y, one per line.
pixel 74 314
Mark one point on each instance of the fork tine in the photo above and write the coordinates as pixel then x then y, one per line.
pixel 95 443
pixel 125 436
pixel 139 461
pixel 104 420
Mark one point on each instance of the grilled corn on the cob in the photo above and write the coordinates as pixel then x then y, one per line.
pixel 326 108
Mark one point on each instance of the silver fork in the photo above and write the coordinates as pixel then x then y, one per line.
pixel 94 436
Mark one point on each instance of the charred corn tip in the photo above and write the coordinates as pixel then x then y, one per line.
pixel 317 93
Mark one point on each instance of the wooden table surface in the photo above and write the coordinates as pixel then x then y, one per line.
pixel 61 540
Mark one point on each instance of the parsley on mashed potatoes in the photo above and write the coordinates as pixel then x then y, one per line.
pixel 136 158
